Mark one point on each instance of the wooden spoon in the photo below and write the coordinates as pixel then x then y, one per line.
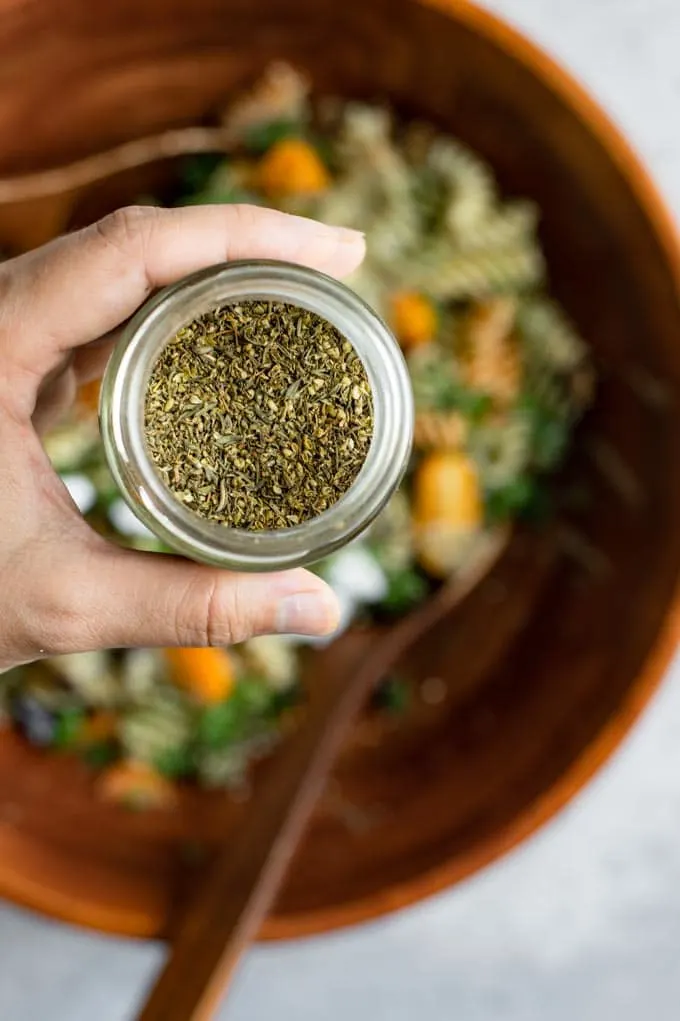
pixel 226 910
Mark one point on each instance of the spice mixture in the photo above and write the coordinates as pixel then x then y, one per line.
pixel 259 415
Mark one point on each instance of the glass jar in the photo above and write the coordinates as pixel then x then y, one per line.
pixel 122 416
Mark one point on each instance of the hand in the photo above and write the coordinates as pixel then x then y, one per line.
pixel 63 588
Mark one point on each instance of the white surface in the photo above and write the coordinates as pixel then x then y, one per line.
pixel 582 924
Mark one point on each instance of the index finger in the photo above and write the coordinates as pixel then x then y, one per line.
pixel 84 284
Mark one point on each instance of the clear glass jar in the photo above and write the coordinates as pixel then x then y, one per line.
pixel 122 416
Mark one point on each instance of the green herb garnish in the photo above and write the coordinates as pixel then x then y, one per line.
pixel 262 137
pixel 549 433
pixel 524 497
pixel 392 696
pixel 245 712
pixel 101 754
pixel 197 171
pixel 68 727
pixel 176 763
pixel 436 388
pixel 406 588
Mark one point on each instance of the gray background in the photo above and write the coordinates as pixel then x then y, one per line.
pixel 581 923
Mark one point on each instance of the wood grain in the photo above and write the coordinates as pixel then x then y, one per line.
pixel 458 783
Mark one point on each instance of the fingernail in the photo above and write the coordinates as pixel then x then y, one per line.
pixel 345 235
pixel 308 613
pixel 350 236
pixel 318 227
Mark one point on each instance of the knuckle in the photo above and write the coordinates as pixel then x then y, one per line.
pixel 215 631
pixel 126 227
pixel 244 219
pixel 230 608
pixel 216 613
pixel 194 612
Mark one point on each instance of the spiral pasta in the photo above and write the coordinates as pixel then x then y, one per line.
pixel 440 430
pixel 492 362
pixel 273 658
pixel 228 767
pixel 149 732
pixel 549 336
pixel 506 227
pixel 282 93
pixel 434 376
pixel 502 451
pixel 391 535
pixel 91 675
pixel 452 275
pixel 374 186
pixel 470 189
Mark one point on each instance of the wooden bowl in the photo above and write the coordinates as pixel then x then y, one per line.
pixel 546 665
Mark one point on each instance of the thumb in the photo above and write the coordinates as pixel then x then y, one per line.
pixel 142 599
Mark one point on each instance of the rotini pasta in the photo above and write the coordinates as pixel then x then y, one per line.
pixel 149 733
pixel 228 767
pixel 470 189
pixel 391 535
pixel 440 430
pixel 550 338
pixel 452 275
pixel 505 228
pixel 281 94
pixel 553 393
pixel 491 356
pixel 274 659
pixel 91 675
pixel 502 452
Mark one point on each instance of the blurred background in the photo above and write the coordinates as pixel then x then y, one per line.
pixel 584 921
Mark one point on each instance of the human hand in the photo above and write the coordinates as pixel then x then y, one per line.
pixel 65 588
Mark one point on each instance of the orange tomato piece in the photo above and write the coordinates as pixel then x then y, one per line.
pixel 447 491
pixel 291 167
pixel 413 318
pixel 208 673
pixel 136 785
pixel 448 510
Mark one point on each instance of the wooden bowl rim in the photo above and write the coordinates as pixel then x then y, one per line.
pixel 22 891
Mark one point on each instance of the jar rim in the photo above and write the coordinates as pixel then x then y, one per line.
pixel 122 425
